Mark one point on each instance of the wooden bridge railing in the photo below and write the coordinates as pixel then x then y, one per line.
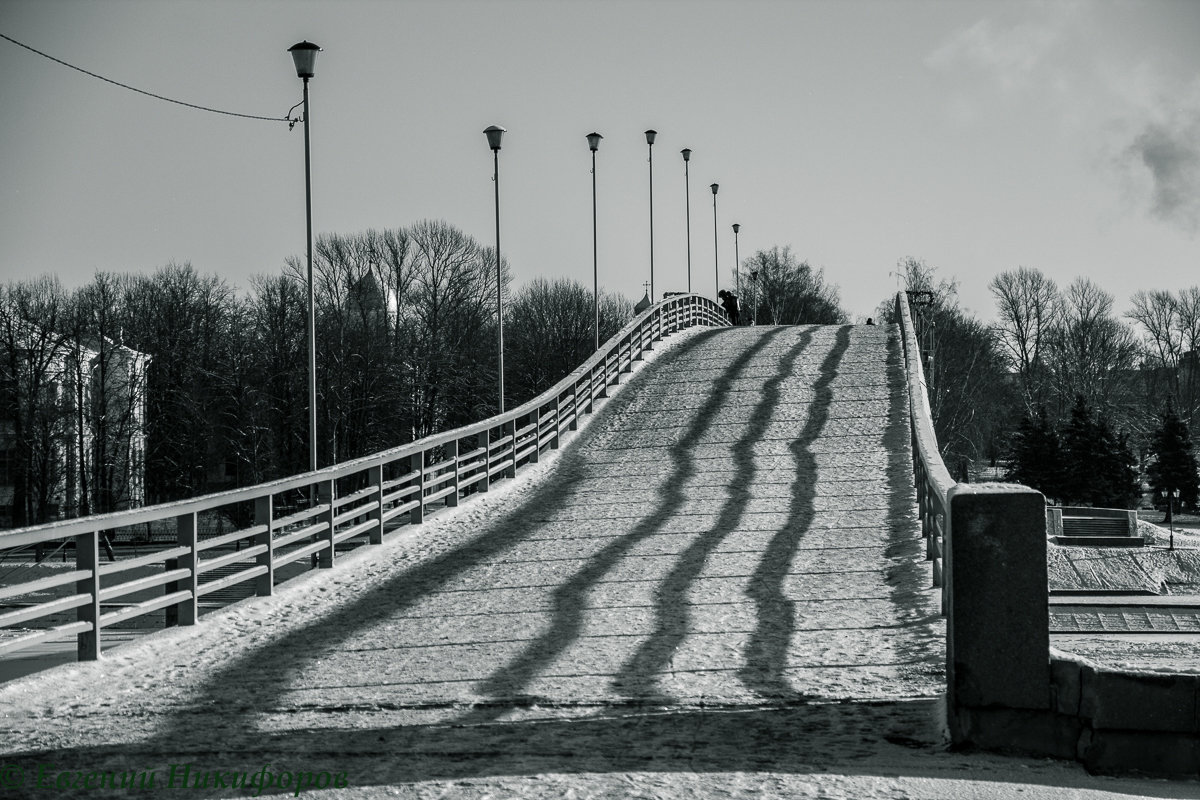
pixel 932 478
pixel 305 516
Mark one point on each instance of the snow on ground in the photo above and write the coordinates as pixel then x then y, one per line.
pixel 715 590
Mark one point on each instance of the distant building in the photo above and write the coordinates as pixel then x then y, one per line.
pixel 73 435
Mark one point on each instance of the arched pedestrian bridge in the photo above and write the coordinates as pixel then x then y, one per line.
pixel 716 579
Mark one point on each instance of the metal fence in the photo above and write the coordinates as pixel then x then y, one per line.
pixel 283 523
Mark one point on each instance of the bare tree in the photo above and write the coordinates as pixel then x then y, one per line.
pixel 549 332
pixel 964 368
pixel 187 322
pixel 1093 354
pixel 32 349
pixel 788 291
pixel 109 419
pixel 276 436
pixel 452 303
pixel 1171 327
pixel 1027 304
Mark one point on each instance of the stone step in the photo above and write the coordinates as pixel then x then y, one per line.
pixel 1101 541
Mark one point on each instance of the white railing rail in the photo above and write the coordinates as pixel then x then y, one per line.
pixel 933 480
pixel 306 516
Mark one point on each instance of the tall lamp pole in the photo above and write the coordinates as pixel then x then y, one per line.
pixel 687 203
pixel 754 301
pixel 494 133
pixel 304 55
pixel 594 144
pixel 716 258
pixel 1169 495
pixel 650 147
pixel 737 264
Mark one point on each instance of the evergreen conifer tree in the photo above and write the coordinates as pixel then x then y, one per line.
pixel 1116 484
pixel 1081 454
pixel 1036 456
pixel 1174 466
pixel 1098 463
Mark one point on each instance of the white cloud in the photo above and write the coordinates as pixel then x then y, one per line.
pixel 1009 54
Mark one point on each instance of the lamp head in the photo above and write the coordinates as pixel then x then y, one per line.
pixel 714 188
pixel 687 154
pixel 594 141
pixel 650 136
pixel 493 134
pixel 736 227
pixel 305 56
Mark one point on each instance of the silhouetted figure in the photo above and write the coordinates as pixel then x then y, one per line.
pixel 730 301
pixel 870 321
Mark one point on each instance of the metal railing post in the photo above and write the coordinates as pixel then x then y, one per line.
pixel 375 534
pixel 509 429
pixel 554 442
pixel 452 451
pixel 87 558
pixel 264 514
pixel 535 419
pixel 417 515
pixel 326 492
pixel 485 484
pixel 187 535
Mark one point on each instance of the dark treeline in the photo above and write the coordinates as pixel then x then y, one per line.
pixel 146 388
pixel 177 376
pixel 1062 392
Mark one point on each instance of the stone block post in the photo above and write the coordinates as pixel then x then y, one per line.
pixel 997 626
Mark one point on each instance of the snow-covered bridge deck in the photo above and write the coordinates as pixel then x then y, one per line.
pixel 717 586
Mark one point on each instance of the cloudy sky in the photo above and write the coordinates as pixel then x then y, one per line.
pixel 978 136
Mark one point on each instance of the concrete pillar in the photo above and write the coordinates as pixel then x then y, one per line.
pixel 997 626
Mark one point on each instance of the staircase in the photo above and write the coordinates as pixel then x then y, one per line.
pixel 1105 529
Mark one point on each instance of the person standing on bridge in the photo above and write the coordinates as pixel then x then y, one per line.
pixel 730 301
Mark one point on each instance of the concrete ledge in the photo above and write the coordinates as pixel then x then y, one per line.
pixel 1167 754
pixel 1132 701
pixel 1021 731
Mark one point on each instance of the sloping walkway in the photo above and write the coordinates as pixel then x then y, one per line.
pixel 715 589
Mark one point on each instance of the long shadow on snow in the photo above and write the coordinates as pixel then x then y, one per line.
pixel 639 675
pixel 570 598
pixel 766 650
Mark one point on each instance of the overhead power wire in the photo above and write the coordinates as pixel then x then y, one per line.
pixel 143 91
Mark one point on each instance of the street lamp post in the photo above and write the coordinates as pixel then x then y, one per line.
pixel 754 301
pixel 304 55
pixel 687 203
pixel 494 133
pixel 1170 495
pixel 650 148
pixel 737 264
pixel 716 256
pixel 594 144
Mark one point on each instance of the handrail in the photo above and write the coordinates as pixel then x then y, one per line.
pixel 933 480
pixel 442 467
